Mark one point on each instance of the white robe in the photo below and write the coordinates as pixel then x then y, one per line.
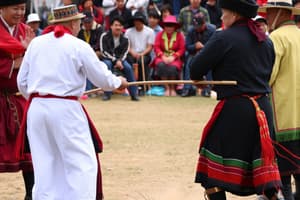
pixel 62 150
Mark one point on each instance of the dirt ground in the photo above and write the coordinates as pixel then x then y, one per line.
pixel 150 148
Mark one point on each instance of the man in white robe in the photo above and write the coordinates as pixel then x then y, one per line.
pixel 53 75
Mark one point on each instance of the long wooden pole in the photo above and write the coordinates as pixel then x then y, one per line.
pixel 170 82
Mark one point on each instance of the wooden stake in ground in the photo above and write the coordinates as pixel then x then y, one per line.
pixel 170 82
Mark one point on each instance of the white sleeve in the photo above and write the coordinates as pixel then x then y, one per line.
pixel 130 3
pixel 96 70
pixel 141 3
pixel 108 3
pixel 23 74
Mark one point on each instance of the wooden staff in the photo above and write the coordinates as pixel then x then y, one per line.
pixel 143 71
pixel 171 82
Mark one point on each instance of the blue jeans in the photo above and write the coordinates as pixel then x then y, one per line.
pixel 186 75
pixel 128 73
pixel 89 85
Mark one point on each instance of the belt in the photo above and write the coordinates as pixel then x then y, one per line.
pixel 33 95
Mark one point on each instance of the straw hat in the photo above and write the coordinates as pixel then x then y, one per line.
pixel 11 2
pixel 284 4
pixel 33 17
pixel 66 13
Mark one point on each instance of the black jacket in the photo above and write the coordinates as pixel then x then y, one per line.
pixel 235 54
pixel 126 15
pixel 108 49
pixel 95 36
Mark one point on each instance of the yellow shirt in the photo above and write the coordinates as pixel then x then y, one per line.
pixel 285 83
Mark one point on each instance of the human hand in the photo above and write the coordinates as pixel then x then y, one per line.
pixel 199 45
pixel 29 35
pixel 171 59
pixel 119 65
pixel 165 59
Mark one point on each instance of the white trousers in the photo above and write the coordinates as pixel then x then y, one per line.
pixel 63 155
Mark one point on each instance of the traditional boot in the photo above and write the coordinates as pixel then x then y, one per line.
pixel 297 193
pixel 28 181
pixel 287 192
pixel 214 193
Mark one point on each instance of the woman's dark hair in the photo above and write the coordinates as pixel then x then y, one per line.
pixel 153 13
pixel 166 7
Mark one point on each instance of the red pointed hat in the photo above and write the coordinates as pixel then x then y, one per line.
pixel 171 19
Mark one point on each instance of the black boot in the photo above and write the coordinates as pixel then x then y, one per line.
pixel 215 193
pixel 287 188
pixel 297 185
pixel 28 181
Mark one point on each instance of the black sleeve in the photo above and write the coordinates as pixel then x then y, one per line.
pixel 209 57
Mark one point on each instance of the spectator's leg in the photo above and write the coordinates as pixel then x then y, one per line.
pixel 147 60
pixel 107 94
pixel 188 89
pixel 89 85
pixel 207 90
pixel 128 71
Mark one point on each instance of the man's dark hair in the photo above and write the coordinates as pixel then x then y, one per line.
pixel 117 18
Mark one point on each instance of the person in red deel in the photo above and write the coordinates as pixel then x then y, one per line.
pixel 15 37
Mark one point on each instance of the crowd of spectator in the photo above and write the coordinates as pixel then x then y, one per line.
pixel 157 48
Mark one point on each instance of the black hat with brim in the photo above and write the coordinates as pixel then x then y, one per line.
pixel 139 16
pixel 11 2
pixel 246 8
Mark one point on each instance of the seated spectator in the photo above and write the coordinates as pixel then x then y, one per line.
pixel 165 11
pixel 214 12
pixel 33 20
pixel 262 22
pixel 169 49
pixel 196 38
pixel 187 13
pixel 88 6
pixel 114 47
pixel 137 5
pixel 141 39
pixel 153 21
pixel 122 11
pixel 108 6
pixel 177 5
pixel 155 4
pixel 90 32
pixel 44 12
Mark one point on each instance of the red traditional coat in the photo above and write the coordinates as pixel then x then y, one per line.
pixel 11 105
pixel 172 45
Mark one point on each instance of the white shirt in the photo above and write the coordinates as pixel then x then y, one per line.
pixel 140 40
pixel 60 66
pixel 140 5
